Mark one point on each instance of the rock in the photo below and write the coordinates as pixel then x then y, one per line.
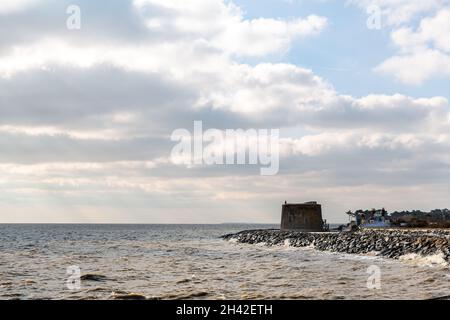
pixel 390 243
pixel 93 277
pixel 128 296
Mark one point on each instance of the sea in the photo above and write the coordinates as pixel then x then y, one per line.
pixel 92 262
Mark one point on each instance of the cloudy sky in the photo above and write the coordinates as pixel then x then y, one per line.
pixel 86 115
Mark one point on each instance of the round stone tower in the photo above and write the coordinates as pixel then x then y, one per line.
pixel 306 217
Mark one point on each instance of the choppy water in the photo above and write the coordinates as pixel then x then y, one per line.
pixel 176 261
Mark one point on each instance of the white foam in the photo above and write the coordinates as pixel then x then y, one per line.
pixel 435 260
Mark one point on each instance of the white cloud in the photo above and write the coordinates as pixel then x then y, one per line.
pixel 435 30
pixel 425 52
pixel 224 26
pixel 264 36
pixel 417 67
pixel 420 33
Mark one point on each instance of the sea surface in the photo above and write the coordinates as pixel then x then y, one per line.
pixel 192 262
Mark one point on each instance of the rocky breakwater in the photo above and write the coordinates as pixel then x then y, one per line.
pixel 390 243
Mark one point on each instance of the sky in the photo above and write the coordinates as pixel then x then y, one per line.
pixel 92 91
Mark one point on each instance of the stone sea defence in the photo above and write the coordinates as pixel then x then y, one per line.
pixel 390 243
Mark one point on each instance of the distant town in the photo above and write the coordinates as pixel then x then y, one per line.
pixel 378 218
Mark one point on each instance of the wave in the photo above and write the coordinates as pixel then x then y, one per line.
pixel 434 260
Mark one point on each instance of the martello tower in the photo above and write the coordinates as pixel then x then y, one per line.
pixel 306 217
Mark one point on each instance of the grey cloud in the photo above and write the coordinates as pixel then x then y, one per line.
pixel 72 97
pixel 25 149
pixel 115 21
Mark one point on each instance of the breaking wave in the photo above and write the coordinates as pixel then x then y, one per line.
pixel 434 260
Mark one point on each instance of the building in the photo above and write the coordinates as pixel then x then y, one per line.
pixel 305 217
pixel 370 218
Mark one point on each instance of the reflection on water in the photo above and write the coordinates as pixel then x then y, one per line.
pixel 192 262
